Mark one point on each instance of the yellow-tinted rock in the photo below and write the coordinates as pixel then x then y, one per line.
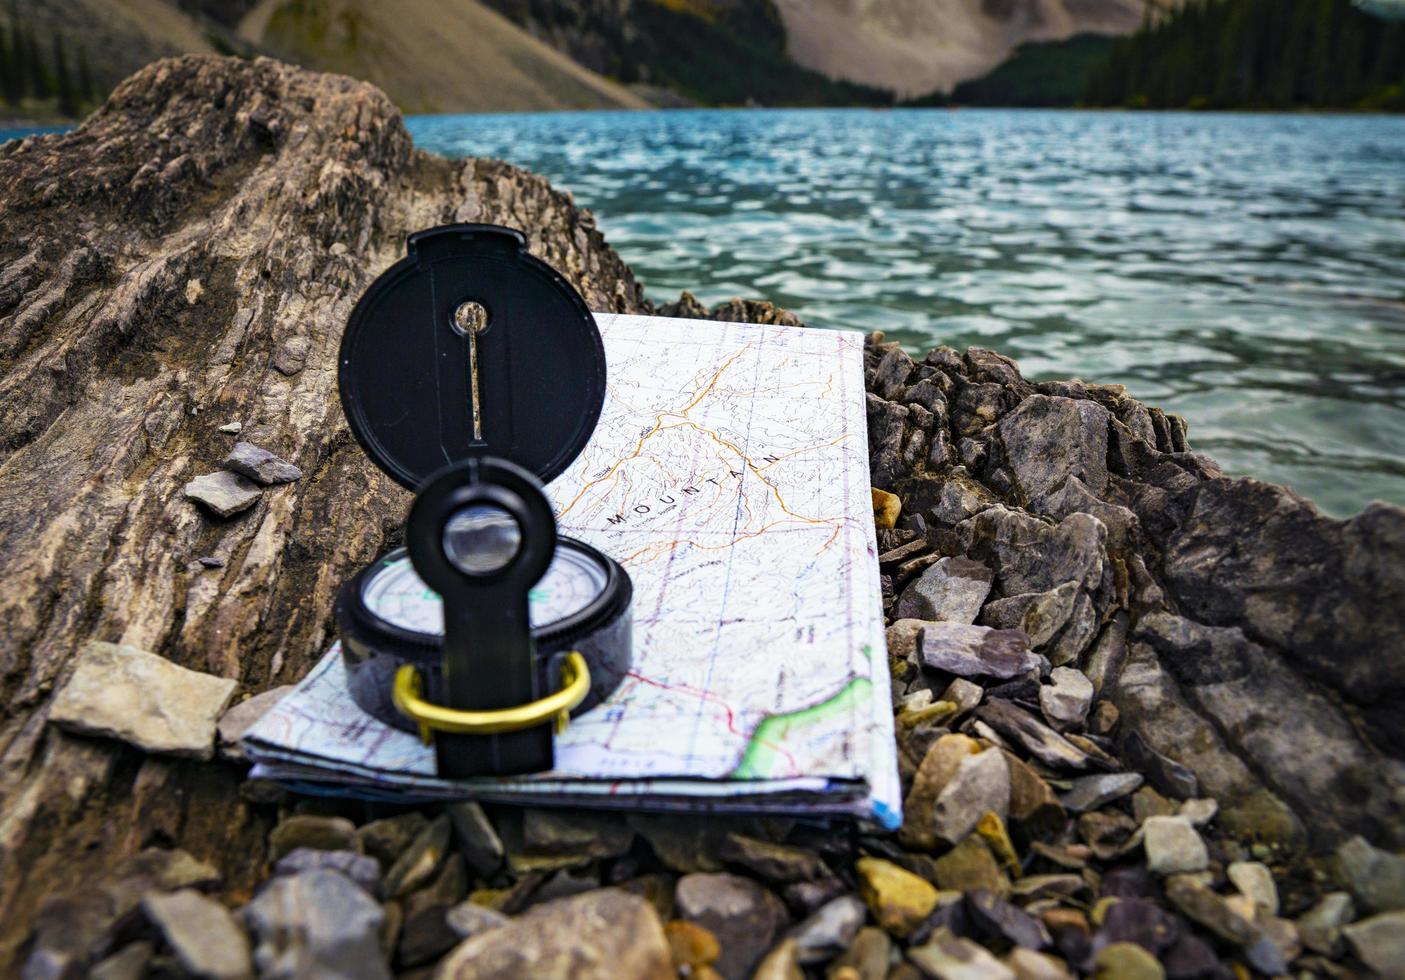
pixel 997 838
pixel 691 945
pixel 898 899
pixel 886 508
pixel 938 766
pixel 1126 961
pixel 780 963
pixel 970 865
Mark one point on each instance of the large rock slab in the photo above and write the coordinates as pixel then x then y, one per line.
pixel 167 266
pixel 1048 440
pixel 951 590
pixel 975 651
pixel 605 934
pixel 126 693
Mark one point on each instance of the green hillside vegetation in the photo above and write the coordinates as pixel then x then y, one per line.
pixel 1262 54
pixel 710 51
pixel 43 77
pixel 1038 74
pixel 733 60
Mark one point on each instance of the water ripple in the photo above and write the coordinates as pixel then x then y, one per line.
pixel 1247 271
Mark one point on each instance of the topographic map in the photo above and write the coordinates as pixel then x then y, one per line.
pixel 729 475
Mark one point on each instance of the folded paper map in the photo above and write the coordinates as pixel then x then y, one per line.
pixel 729 475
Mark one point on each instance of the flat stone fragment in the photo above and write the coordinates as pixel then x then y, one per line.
pixel 606 934
pixel 125 693
pixel 1092 792
pixel 939 764
pixel 1162 772
pixel 476 838
pixel 970 866
pixel 947 957
pixel 1040 615
pixel 1199 811
pixel 584 833
pixel 1065 702
pixel 780 964
pixel 830 930
pixel 1126 961
pixel 386 839
pixel 975 651
pixel 129 963
pixel 1035 737
pixel 307 830
pixel 1028 964
pixel 1379 942
pixel 260 465
pixel 224 493
pixel 1321 926
pixel 951 590
pixel 1375 878
pixel 867 957
pixel 1198 903
pixel 420 861
pixel 980 785
pixel 1253 879
pixel 202 933
pixel 360 868
pixel 317 923
pixel 239 718
pixel 468 919
pixel 964 694
pixel 745 917
pixel 1173 846
pixel 995 916
pixel 777 863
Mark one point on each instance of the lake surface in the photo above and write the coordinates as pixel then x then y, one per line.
pixel 1246 271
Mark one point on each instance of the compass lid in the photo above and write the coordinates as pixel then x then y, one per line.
pixel 468 347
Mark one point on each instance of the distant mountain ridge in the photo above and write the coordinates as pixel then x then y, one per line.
pixel 475 55
pixel 710 52
pixel 428 55
pixel 916 47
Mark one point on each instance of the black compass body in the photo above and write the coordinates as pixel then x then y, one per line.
pixel 472 373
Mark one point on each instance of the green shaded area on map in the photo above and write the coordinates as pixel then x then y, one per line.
pixel 765 753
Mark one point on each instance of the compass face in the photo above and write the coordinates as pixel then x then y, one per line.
pixel 395 593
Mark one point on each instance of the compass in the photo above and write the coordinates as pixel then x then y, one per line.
pixel 472 373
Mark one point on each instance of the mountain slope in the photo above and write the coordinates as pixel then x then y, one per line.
pixel 431 55
pixel 918 46
pixel 714 52
pixel 428 55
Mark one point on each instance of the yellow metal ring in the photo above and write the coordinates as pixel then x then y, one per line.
pixel 408 689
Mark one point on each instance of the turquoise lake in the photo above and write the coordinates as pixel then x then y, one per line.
pixel 1246 271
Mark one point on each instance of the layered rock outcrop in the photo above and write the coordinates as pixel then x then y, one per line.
pixel 1237 629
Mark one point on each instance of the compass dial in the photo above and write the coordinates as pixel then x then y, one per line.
pixel 395 593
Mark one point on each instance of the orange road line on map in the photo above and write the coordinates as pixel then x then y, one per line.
pixel 658 426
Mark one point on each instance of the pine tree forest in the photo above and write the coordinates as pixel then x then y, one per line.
pixel 43 75
pixel 1263 54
